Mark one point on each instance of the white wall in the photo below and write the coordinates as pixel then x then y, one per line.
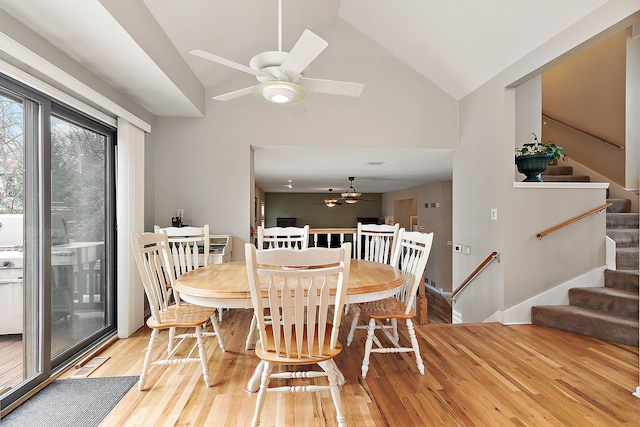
pixel 632 109
pixel 204 165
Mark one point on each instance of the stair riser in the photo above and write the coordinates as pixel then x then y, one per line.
pixel 622 220
pixel 624 280
pixel 559 170
pixel 624 238
pixel 619 205
pixel 597 299
pixel 627 260
pixel 555 317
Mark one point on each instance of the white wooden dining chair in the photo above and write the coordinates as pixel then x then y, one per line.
pixel 377 243
pixel 295 286
pixel 189 247
pixel 277 237
pixel 283 237
pixel 410 255
pixel 155 265
pixel 189 250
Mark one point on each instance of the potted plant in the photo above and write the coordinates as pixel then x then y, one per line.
pixel 534 157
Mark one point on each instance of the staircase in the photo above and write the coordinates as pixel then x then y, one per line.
pixel 558 173
pixel 611 312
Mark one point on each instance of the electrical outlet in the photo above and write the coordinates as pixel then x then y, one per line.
pixel 494 214
pixel 181 213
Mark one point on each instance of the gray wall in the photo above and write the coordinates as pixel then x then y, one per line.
pixel 305 207
pixel 435 219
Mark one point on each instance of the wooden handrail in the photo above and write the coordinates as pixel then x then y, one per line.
pixel 487 260
pixel 572 220
pixel 547 117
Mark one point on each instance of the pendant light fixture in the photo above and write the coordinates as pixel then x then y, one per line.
pixel 331 201
pixel 351 195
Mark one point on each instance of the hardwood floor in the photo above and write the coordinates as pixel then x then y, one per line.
pixel 476 374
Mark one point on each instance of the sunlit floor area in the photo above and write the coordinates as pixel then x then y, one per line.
pixel 476 374
pixel 64 333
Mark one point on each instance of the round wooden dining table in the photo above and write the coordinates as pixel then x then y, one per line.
pixel 226 285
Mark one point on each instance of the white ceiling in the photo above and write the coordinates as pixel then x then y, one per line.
pixel 141 47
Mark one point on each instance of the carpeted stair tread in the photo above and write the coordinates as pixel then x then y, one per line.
pixel 610 300
pixel 565 178
pixel 589 322
pixel 622 220
pixel 626 280
pixel 624 237
pixel 619 206
pixel 627 258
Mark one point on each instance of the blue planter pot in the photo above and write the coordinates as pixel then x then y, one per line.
pixel 532 166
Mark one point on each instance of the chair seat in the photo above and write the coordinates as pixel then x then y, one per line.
pixel 186 315
pixel 270 354
pixel 386 309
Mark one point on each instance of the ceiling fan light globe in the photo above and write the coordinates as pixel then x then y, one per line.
pixel 350 200
pixel 350 195
pixel 279 92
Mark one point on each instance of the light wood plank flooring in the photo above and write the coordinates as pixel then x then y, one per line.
pixel 476 375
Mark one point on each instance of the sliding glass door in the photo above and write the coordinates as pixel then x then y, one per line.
pixel 57 237
pixel 81 301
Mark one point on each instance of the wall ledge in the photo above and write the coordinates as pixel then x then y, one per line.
pixel 568 185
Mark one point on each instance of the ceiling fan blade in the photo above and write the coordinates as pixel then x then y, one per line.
pixel 228 63
pixel 306 49
pixel 333 87
pixel 235 94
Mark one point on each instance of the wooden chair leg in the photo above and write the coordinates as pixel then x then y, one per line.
pixel 262 393
pixel 216 329
pixel 251 342
pixel 335 395
pixel 394 325
pixel 367 347
pixel 354 324
pixel 203 356
pixel 172 337
pixel 147 359
pixel 414 345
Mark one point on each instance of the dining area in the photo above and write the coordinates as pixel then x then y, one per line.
pixel 297 312
pixel 464 381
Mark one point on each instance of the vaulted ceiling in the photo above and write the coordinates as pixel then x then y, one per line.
pixel 141 47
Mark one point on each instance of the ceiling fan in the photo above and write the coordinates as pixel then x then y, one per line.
pixel 281 74
pixel 331 201
pixel 352 196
